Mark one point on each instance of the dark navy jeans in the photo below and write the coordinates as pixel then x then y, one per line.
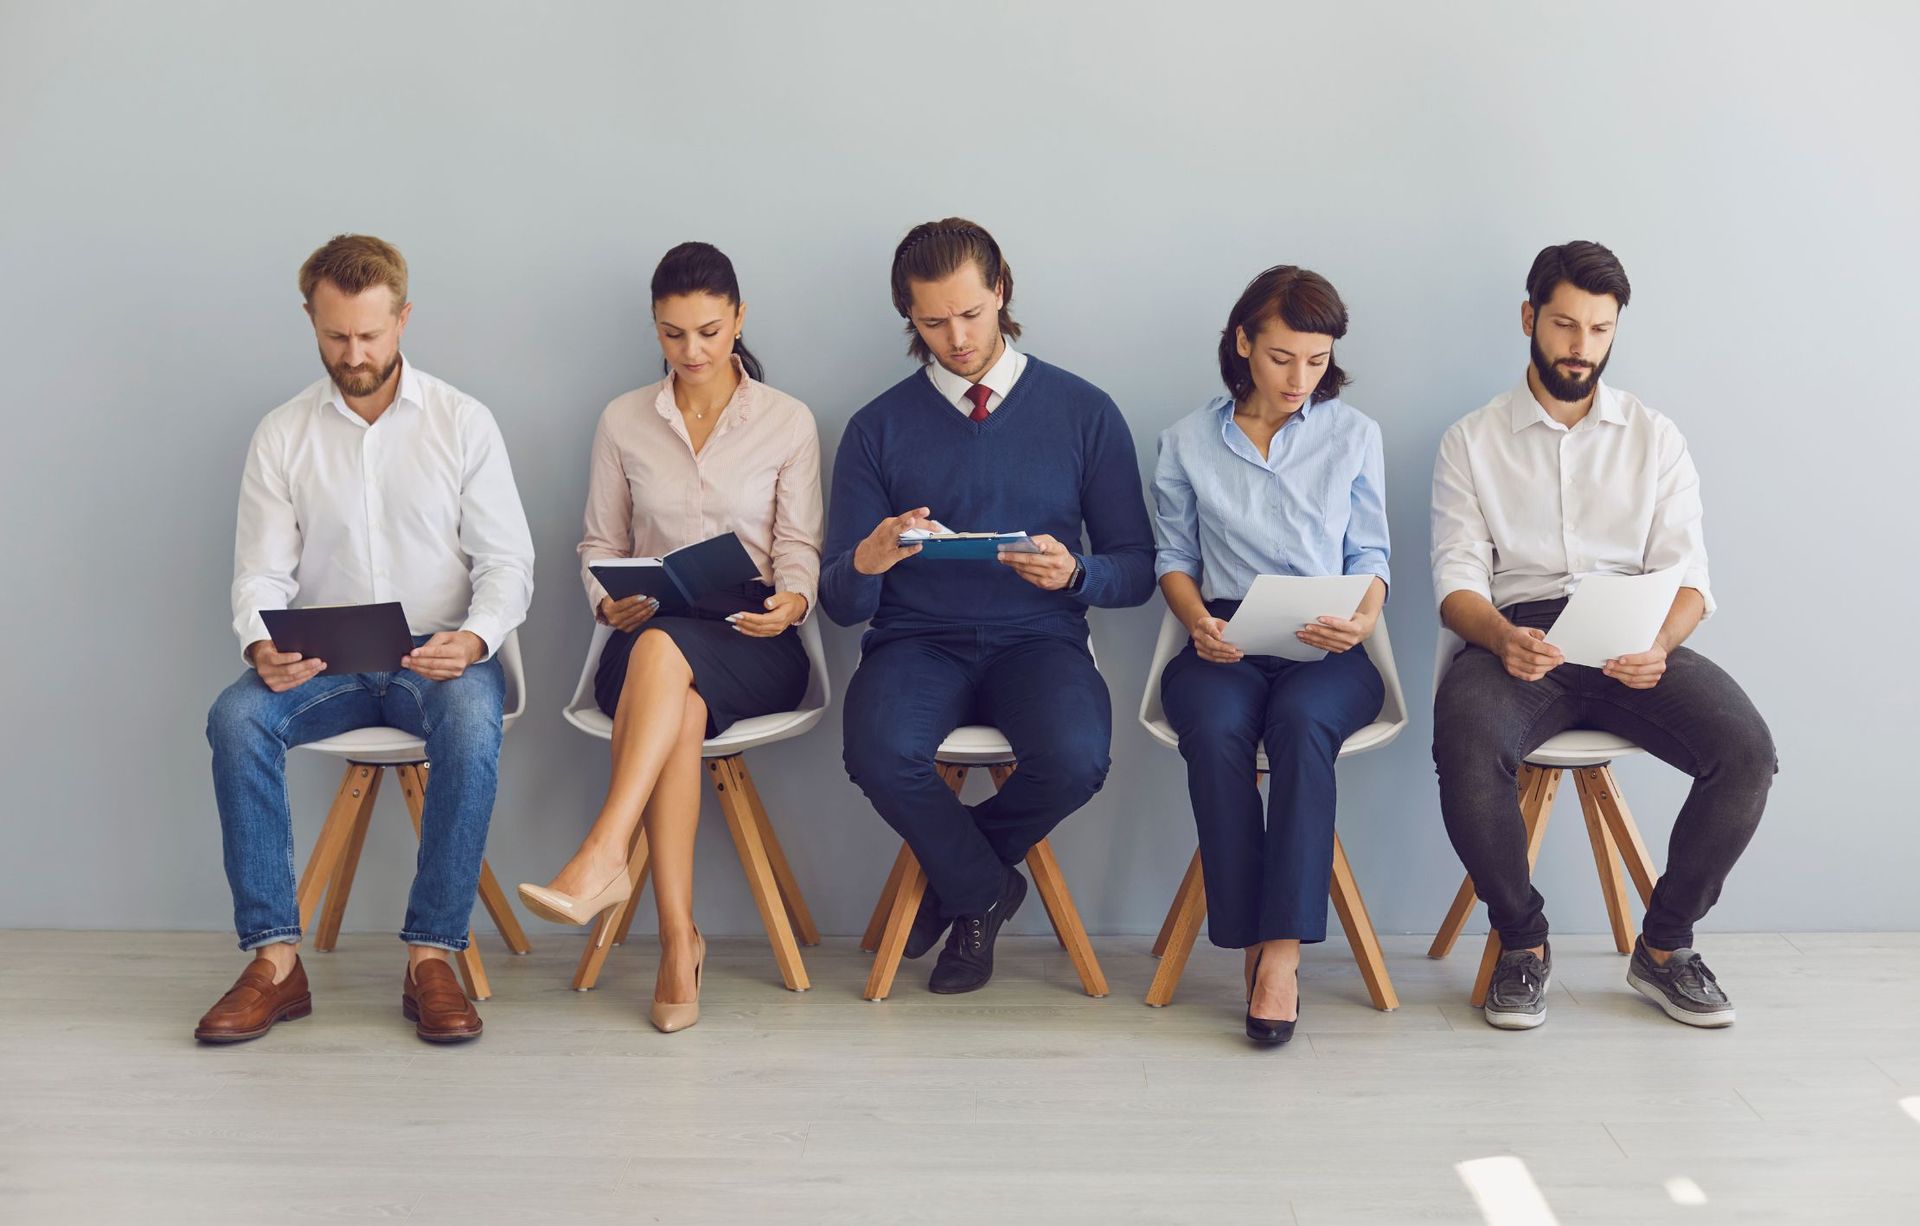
pixel 251 728
pixel 1266 874
pixel 1042 691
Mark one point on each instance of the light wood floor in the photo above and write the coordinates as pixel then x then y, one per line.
pixel 1027 1102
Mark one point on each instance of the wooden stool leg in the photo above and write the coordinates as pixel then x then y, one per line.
pixel 413 786
pixel 1613 883
pixel 1178 934
pixel 1360 934
pixel 1626 835
pixel 1534 811
pixel 876 923
pixel 635 847
pixel 1173 912
pixel 1529 780
pixel 1066 917
pixel 613 919
pixel 333 838
pixel 328 933
pixel 893 934
pixel 797 913
pixel 725 773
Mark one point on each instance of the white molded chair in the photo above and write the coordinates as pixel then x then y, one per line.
pixel 1182 926
pixel 336 853
pixel 775 891
pixel 1588 753
pixel 968 746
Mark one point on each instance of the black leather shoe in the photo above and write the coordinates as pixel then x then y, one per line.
pixel 1260 1029
pixel 967 961
pixel 928 925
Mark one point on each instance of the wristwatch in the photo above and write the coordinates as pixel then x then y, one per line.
pixel 1079 576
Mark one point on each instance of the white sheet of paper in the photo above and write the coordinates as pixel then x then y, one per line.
pixel 1277 606
pixel 1614 615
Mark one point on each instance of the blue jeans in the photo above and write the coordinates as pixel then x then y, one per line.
pixel 1042 691
pixel 251 728
pixel 1266 879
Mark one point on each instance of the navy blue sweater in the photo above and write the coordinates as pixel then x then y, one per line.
pixel 1054 457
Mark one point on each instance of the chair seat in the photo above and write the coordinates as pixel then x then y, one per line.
pixel 974 745
pixel 742 735
pixel 1582 747
pixel 1373 736
pixel 382 746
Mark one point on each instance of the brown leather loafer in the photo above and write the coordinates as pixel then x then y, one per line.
pixel 254 1003
pixel 437 1005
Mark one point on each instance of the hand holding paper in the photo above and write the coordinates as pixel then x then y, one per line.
pixel 1277 607
pixel 1613 616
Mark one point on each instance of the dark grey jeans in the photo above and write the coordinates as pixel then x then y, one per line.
pixel 1697 718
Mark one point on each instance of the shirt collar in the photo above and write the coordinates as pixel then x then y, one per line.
pixel 737 408
pixel 408 392
pixel 998 380
pixel 1524 408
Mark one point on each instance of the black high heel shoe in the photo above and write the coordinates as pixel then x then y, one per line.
pixel 1259 1029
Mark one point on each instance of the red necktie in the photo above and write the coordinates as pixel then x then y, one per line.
pixel 978 393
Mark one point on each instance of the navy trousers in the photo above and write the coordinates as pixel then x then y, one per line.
pixel 911 690
pixel 1266 879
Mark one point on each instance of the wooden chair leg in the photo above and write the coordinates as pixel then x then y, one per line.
pixel 634 847
pixel 893 933
pixel 413 786
pixel 1528 781
pixel 1606 860
pixel 1626 835
pixel 328 932
pixel 797 913
pixel 613 920
pixel 725 774
pixel 1178 934
pixel 1173 911
pixel 1360 934
pixel 1000 774
pixel 1066 917
pixel 334 833
pixel 1534 811
pixel 876 923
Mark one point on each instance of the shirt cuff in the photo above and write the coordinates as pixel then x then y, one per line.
pixel 254 629
pixel 1447 582
pixel 488 631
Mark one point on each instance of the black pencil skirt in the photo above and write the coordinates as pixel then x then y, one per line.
pixel 736 675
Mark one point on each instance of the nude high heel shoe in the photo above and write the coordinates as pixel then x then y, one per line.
pixel 667 1018
pixel 567 909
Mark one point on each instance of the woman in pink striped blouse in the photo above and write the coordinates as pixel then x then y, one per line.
pixel 707 450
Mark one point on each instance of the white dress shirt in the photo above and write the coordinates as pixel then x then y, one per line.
pixel 1524 508
pixel 999 380
pixel 419 507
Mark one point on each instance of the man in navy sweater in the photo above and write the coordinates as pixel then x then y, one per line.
pixel 983 439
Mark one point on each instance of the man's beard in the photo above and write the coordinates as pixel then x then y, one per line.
pixel 1559 386
pixel 354 382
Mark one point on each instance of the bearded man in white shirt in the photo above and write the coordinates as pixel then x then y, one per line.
pixel 377 483
pixel 1560 478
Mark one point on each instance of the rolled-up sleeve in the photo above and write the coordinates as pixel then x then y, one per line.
pixel 1366 548
pixel 1176 513
pixel 1462 542
pixel 1676 537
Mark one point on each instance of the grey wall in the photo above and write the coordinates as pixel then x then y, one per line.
pixel 167 167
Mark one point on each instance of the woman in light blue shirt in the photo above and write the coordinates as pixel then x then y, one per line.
pixel 1280 477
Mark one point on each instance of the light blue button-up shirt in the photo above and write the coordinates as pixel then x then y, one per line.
pixel 1314 505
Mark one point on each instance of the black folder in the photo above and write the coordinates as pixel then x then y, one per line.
pixel 351 638
pixel 684 578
